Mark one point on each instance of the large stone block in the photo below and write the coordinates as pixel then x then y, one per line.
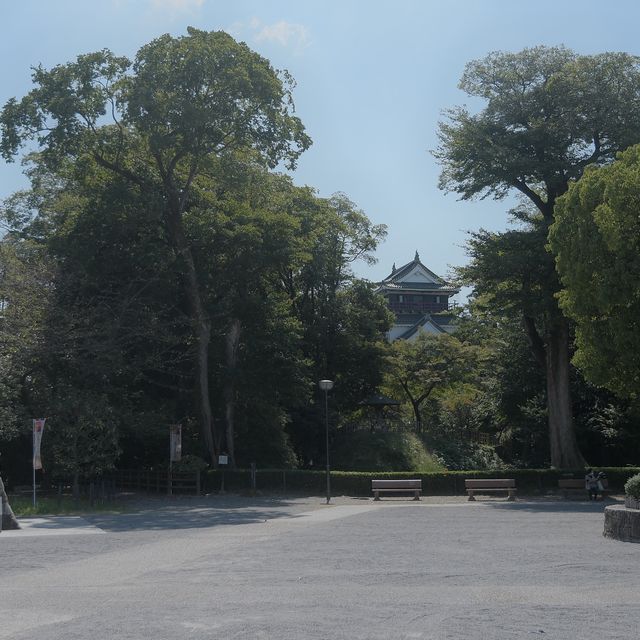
pixel 622 523
pixel 631 503
pixel 7 519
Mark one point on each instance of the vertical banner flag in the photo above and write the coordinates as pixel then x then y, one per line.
pixel 38 428
pixel 175 442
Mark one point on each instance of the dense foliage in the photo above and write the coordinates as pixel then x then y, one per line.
pixel 596 240
pixel 632 487
pixel 157 271
pixel 548 114
pixel 382 451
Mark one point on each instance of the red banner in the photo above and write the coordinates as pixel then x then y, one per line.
pixel 38 430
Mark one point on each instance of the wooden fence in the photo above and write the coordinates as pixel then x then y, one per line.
pixel 158 481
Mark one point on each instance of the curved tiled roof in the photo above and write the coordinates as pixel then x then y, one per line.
pixel 426 286
pixel 392 281
pixel 438 322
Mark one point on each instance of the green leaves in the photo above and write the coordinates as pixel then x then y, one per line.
pixel 549 113
pixel 64 110
pixel 428 364
pixel 205 93
pixel 596 239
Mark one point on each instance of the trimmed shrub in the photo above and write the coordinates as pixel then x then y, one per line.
pixel 358 483
pixel 632 486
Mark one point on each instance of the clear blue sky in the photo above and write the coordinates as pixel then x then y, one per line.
pixel 373 77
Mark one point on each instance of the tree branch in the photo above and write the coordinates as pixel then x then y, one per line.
pixel 521 186
pixel 121 171
pixel 535 341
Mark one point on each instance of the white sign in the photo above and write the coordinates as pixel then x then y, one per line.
pixel 223 459
pixel 175 442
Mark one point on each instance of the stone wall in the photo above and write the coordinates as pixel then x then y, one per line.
pixel 622 523
pixel 7 519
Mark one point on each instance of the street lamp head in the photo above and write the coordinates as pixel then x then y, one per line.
pixel 326 385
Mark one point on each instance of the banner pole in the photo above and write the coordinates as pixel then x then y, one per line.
pixel 170 482
pixel 33 459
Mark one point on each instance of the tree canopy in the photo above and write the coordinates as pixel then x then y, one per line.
pixel 187 281
pixel 596 240
pixel 162 123
pixel 430 362
pixel 549 113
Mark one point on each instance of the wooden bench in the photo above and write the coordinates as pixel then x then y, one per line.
pixel 578 485
pixel 491 485
pixel 396 486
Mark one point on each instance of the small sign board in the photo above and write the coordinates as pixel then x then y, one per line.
pixel 223 459
pixel 175 442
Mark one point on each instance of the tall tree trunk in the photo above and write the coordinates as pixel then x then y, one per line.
pixel 173 210
pixel 565 453
pixel 8 519
pixel 552 355
pixel 202 334
pixel 232 342
pixel 205 417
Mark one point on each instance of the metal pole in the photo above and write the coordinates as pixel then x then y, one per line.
pixel 253 477
pixel 33 458
pixel 170 475
pixel 326 424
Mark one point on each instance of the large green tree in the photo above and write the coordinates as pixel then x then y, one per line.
pixel 162 123
pixel 596 240
pixel 273 262
pixel 430 362
pixel 342 321
pixel 548 114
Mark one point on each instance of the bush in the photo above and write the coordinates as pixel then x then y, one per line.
pixel 632 486
pixel 377 451
pixel 467 455
pixel 190 463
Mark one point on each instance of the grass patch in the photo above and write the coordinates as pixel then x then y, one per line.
pixel 380 451
pixel 52 506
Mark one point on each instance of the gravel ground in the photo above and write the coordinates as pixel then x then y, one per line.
pixel 292 568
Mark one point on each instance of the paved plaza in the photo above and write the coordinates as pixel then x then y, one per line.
pixel 233 567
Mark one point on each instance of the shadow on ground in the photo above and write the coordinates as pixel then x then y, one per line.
pixel 555 506
pixel 192 514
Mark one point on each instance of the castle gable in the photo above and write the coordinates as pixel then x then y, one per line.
pixel 413 275
pixel 413 292
pixel 417 274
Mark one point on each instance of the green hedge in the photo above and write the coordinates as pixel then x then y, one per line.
pixel 358 483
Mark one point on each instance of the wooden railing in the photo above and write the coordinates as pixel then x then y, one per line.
pixel 159 481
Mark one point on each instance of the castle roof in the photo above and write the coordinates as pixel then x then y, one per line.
pixel 442 323
pixel 414 276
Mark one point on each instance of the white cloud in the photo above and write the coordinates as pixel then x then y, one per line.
pixel 285 34
pixel 282 33
pixel 176 5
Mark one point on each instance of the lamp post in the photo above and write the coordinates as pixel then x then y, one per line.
pixel 326 386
